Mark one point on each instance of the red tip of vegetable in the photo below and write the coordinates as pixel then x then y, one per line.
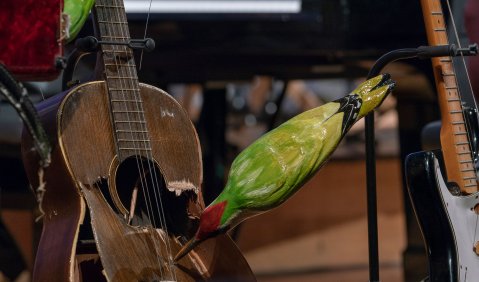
pixel 210 220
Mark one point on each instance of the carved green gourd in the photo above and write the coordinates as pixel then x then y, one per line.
pixel 277 165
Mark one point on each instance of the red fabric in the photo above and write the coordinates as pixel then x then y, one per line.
pixel 28 37
pixel 471 17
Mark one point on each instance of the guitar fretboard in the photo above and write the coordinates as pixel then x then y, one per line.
pixel 126 107
pixel 454 136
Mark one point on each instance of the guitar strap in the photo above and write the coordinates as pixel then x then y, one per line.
pixel 17 96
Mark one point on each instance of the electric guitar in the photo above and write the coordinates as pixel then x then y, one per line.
pixel 442 184
pixel 126 160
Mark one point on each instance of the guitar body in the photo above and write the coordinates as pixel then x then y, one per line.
pixel 443 185
pixel 135 237
pixel 448 222
pixel 60 204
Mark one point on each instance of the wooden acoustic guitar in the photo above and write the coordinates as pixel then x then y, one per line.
pixel 443 184
pixel 128 154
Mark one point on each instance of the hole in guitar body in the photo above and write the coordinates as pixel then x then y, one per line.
pixel 140 194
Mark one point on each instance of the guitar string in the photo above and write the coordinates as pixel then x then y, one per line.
pixel 123 86
pixel 144 35
pixel 156 187
pixel 153 173
pixel 145 184
pixel 454 68
pixel 139 163
pixel 456 34
pixel 155 176
pixel 453 21
pixel 463 61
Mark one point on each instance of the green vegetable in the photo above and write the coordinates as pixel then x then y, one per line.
pixel 277 165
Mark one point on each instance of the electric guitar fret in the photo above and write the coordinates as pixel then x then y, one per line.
pixel 461 143
pixel 436 13
pixel 448 74
pixel 440 29
pixel 464 153
pixel 467 170
pixel 450 87
pixel 457 122
pixel 471 184
pixel 460 133
pixel 446 60
pixel 469 178
pixel 453 99
pixel 455 112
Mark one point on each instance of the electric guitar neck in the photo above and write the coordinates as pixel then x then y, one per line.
pixel 455 144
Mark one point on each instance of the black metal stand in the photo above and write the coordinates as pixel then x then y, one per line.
pixel 422 52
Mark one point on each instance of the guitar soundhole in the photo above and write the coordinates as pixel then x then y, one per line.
pixel 141 188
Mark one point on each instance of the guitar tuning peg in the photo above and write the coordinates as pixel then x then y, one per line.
pixel 87 44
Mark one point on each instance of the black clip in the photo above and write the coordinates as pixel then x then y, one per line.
pixel 469 51
pixel 425 52
pixel 91 44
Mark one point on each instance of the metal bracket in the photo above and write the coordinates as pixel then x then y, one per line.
pixel 91 44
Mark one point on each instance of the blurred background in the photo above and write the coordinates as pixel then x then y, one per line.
pixel 242 67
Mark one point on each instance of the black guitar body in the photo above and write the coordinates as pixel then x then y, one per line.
pixel 433 218
pixel 448 220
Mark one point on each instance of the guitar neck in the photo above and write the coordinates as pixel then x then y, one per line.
pixel 121 78
pixel 454 136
